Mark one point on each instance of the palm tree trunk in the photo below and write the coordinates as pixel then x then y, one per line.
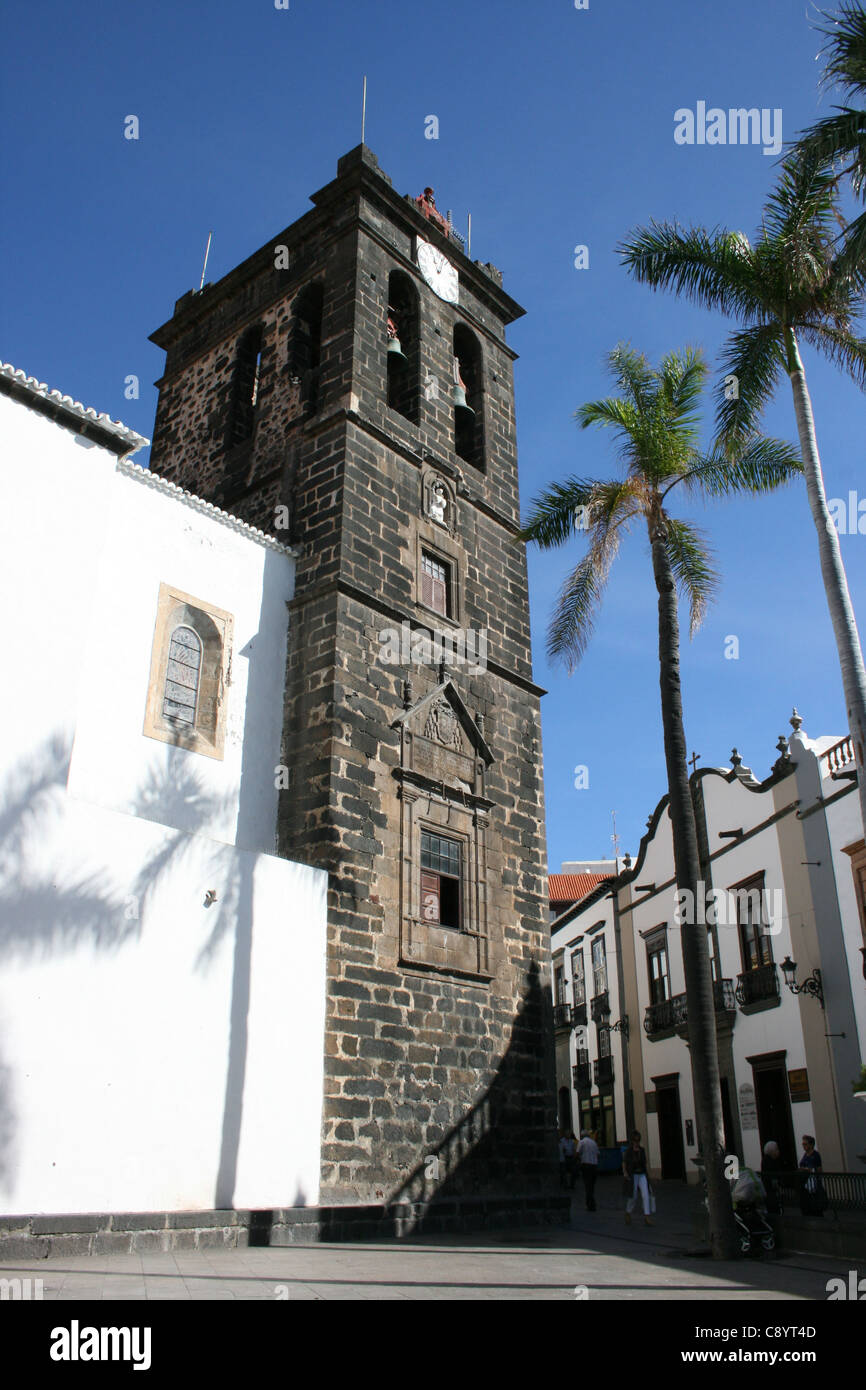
pixel 696 957
pixel 832 570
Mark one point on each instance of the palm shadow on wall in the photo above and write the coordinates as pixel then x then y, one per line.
pixel 505 1144
pixel 40 917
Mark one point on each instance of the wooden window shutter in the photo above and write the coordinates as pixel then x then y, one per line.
pixel 430 897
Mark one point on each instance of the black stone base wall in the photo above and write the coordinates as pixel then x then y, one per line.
pixel 26 1238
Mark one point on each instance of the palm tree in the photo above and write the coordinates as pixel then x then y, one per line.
pixel 789 287
pixel 840 139
pixel 655 419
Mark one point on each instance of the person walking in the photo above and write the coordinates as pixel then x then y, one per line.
pixel 634 1166
pixel 568 1159
pixel 587 1153
pixel 770 1167
pixel 812 1196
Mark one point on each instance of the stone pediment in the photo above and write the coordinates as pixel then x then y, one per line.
pixel 442 718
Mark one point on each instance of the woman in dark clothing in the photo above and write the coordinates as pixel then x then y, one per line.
pixel 634 1167
pixel 812 1196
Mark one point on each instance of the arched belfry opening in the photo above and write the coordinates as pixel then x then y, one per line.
pixel 402 346
pixel 468 397
pixel 245 387
pixel 305 344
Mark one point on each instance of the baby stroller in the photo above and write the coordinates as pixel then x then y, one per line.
pixel 754 1230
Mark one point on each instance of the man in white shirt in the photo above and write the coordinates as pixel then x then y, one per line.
pixel 587 1153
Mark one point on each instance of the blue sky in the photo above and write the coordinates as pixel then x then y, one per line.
pixel 555 129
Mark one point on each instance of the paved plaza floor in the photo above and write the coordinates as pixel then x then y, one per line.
pixel 597 1257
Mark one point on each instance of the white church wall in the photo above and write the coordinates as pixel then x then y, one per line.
pixel 155 1053
pixel 153 1047
pixel 151 537
pixel 846 829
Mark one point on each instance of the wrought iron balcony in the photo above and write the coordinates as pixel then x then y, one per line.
pixel 599 1007
pixel 602 1071
pixel 758 987
pixel 659 1018
pixel 672 1015
pixel 562 1015
pixel 578 1014
pixel 582 1076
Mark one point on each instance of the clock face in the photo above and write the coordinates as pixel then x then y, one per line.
pixel 438 271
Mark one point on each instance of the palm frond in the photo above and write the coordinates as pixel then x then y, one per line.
pixel 751 365
pixel 713 269
pixel 837 139
pixel 554 516
pixel 634 375
pixel 693 571
pixel 840 347
pixel 845 54
pixel 573 618
pixel 613 410
pixel 801 214
pixel 762 466
pixel 684 376
pixel 851 260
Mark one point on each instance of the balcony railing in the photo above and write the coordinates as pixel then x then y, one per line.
pixel 670 1014
pixel 582 1076
pixel 578 1014
pixel 599 1006
pixel 562 1015
pixel 602 1071
pixel 839 756
pixel 659 1018
pixel 758 986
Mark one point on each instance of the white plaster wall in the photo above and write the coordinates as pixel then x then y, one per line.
pixel 116 1011
pixel 845 827
pixel 127 1008
pixel 151 537
pixel 567 939
pixel 56 497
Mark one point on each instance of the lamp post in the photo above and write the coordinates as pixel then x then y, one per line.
pixel 811 985
pixel 621 1026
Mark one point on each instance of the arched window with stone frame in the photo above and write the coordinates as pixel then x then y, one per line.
pixel 183 676
pixel 190 674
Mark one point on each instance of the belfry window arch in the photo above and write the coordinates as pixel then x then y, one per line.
pixel 468 396
pixel 402 352
pixel 245 387
pixel 305 344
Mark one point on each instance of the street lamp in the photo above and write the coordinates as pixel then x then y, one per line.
pixel 619 1027
pixel 811 985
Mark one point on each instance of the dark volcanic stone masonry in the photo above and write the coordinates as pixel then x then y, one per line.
pixel 275 405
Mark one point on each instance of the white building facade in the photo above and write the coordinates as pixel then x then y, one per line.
pixel 784 873
pixel 162 995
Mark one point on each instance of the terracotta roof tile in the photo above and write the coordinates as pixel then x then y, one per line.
pixel 570 888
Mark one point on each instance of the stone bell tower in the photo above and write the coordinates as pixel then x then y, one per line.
pixel 349 389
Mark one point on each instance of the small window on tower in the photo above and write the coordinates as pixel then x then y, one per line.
pixel 305 344
pixel 468 397
pixel 245 390
pixel 440 880
pixel 435 584
pixel 402 346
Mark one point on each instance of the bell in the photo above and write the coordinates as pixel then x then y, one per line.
pixel 395 352
pixel 458 396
